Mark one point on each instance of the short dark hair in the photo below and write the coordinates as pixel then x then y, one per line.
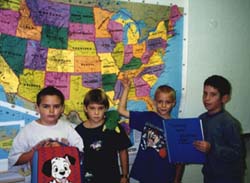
pixel 96 96
pixel 49 90
pixel 165 89
pixel 220 83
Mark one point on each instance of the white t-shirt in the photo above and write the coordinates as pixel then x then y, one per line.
pixel 33 133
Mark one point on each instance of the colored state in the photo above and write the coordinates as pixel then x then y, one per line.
pixel 6 139
pixel 6 144
pixel 76 48
pixel 8 79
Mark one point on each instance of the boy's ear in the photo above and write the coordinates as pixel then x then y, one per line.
pixel 225 98
pixel 154 102
pixel 63 107
pixel 174 103
pixel 36 108
pixel 84 108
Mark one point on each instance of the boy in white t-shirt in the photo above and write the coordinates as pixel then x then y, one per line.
pixel 45 130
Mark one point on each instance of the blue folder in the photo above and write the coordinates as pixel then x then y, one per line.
pixel 180 135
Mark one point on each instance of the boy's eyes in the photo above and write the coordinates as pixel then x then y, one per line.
pixel 54 106
pixel 210 94
pixel 165 102
pixel 99 108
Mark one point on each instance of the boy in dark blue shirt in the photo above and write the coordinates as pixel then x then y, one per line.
pixel 151 163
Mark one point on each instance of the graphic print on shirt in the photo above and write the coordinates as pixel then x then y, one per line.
pixel 152 137
pixel 96 146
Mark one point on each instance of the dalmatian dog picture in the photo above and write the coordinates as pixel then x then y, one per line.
pixel 58 168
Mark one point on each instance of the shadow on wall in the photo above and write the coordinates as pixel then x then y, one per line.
pixel 246 156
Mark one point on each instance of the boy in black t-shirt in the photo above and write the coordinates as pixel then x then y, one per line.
pixel 101 147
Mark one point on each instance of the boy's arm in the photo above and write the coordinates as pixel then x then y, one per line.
pixel 122 107
pixel 124 165
pixel 179 172
pixel 25 157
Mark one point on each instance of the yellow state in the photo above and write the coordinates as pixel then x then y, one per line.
pixel 160 32
pixel 108 64
pixel 11 5
pixel 77 93
pixel 8 79
pixel 139 49
pixel 31 82
pixel 118 54
pixel 155 59
pixel 6 143
pixel 60 61
pixel 131 93
pixel 132 33
pixel 82 47
pixel 150 79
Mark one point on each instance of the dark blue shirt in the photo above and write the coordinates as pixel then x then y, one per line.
pixel 151 163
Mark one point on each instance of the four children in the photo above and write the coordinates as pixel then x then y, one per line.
pixel 222 144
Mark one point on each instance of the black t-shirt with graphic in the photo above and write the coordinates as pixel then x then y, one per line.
pixel 100 152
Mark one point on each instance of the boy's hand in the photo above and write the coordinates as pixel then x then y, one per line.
pixel 125 81
pixel 202 145
pixel 124 180
pixel 42 143
pixel 47 143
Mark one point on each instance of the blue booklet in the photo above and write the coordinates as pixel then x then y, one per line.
pixel 180 135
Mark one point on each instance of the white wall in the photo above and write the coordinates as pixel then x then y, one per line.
pixel 219 43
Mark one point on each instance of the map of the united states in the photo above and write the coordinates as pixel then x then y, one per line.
pixel 76 48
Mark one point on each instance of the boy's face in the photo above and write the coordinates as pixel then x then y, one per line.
pixel 95 112
pixel 212 99
pixel 164 103
pixel 50 109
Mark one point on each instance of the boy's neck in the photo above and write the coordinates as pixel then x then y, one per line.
pixel 166 116
pixel 213 113
pixel 41 122
pixel 218 110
